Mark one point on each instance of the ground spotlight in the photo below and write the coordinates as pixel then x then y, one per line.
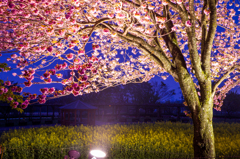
pixel 97 154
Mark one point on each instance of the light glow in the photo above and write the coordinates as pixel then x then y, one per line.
pixel 98 153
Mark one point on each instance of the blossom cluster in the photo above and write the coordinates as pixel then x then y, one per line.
pixel 56 33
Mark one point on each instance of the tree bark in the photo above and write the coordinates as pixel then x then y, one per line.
pixel 203 141
pixel 202 114
pixel 201 108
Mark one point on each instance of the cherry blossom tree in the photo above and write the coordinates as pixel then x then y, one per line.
pixel 194 41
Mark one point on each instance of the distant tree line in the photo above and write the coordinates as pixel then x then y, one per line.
pixel 231 104
pixel 134 93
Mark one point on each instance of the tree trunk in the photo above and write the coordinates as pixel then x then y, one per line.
pixel 202 113
pixel 203 141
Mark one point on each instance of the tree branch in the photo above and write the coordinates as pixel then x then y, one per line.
pixel 174 6
pixel 223 78
pixel 127 28
pixel 157 55
pixel 192 42
pixel 171 41
pixel 95 25
pixel 130 2
pixel 203 24
pixel 210 37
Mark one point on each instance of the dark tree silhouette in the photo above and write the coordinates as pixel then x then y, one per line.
pixel 231 103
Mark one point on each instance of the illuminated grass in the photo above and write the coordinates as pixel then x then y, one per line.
pixel 159 140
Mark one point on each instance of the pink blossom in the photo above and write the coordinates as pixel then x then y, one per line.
pixel 174 28
pixel 188 23
pixel 35 12
pixel 110 15
pixel 74 85
pixel 24 105
pixel 72 73
pixel 42 101
pixel 14 74
pixel 75 93
pixel 31 72
pixel 77 60
pixel 25 73
pixel 28 83
pixel 64 65
pixel 95 47
pixel 50 48
pixel 60 92
pixel 64 82
pixel 77 88
pixel 81 52
pixel 70 56
pixel 51 90
pixel 58 67
pixel 71 46
pixel 86 84
pixel 7 83
pixel 151 7
pixel 82 71
pixel 42 96
pixel 11 5
pixel 89 65
pixel 85 37
pixel 94 71
pixel 78 67
pixel 44 90
pixel 69 89
pixel 207 11
pixel 46 74
pixel 13 56
pixel 70 79
pixel 26 102
pixel 59 75
pixel 33 96
pixel 161 25
pixel 52 71
pixel 43 48
pixel 55 94
pixel 13 88
pixel 5 90
pixel 164 2
pixel 106 30
pixel 49 80
pixel 117 9
pixel 143 5
pixel 93 59
pixel 71 67
pixel 179 1
pixel 68 15
pixel 15 104
pixel 10 98
pixel 30 78
pixel 84 78
pixel 19 89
